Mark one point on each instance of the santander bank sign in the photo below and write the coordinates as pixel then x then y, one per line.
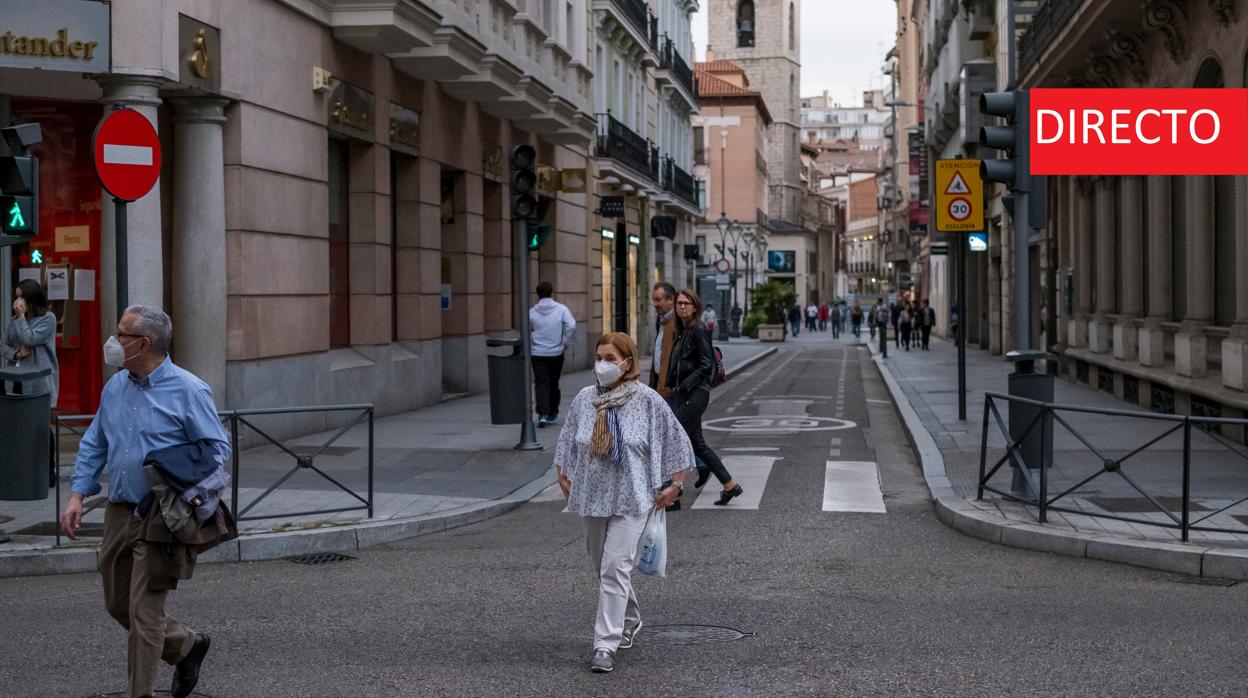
pixel 1139 131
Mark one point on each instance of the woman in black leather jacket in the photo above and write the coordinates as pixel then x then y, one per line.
pixel 689 375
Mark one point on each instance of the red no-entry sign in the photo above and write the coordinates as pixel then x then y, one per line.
pixel 127 154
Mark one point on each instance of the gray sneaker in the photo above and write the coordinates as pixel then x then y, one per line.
pixel 629 635
pixel 603 662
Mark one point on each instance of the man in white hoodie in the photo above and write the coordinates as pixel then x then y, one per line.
pixel 551 328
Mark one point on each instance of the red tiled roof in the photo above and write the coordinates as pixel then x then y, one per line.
pixel 719 67
pixel 711 86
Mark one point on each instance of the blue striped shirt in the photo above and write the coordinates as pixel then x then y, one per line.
pixel 170 407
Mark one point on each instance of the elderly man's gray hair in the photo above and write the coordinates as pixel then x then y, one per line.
pixel 154 324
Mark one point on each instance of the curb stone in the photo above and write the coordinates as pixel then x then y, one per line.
pixel 958 514
pixel 335 539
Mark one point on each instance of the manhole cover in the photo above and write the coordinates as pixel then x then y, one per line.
pixel 319 558
pixel 49 528
pixel 693 634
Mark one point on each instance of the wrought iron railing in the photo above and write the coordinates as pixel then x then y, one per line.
pixel 234 421
pixel 1048 22
pixel 654 33
pixel 636 12
pixel 619 142
pixel 654 162
pixel 1153 471
pixel 679 182
pixel 670 59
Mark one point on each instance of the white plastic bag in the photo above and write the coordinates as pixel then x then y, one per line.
pixel 652 548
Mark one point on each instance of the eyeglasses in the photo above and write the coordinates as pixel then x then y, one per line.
pixel 683 303
pixel 119 335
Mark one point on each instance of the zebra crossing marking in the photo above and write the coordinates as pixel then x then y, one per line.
pixel 751 472
pixel 853 486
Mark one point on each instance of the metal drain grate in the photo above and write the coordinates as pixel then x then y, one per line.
pixel 319 558
pixel 49 528
pixel 1139 505
pixel 693 634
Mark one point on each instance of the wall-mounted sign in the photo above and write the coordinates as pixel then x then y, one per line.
pixel 611 207
pixel 607 234
pixel 574 180
pixel 547 181
pixel 492 162
pixel 959 196
pixel 782 261
pixel 977 242
pixel 200 46
pixel 72 238
pixel 350 111
pixel 71 35
pixel 404 130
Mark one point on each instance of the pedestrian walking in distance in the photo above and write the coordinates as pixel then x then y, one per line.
pixel 709 318
pixel 551 327
pixel 812 317
pixel 906 325
pixel 894 314
pixel 690 374
pixel 620 443
pixel 150 411
pixel 927 317
pixel 855 320
pixel 835 318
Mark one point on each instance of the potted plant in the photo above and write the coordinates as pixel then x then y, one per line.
pixel 772 299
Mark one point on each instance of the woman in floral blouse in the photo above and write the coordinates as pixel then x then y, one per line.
pixel 620 443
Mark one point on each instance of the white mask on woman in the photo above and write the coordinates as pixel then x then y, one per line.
pixel 607 372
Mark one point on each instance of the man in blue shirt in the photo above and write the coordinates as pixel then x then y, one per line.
pixel 148 405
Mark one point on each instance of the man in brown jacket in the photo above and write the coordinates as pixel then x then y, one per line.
pixel 664 298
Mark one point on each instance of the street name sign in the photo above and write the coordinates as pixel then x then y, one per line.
pixel 959 196
pixel 127 154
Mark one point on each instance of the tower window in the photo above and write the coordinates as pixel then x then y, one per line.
pixel 745 24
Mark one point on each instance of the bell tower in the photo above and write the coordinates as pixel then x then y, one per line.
pixel 763 37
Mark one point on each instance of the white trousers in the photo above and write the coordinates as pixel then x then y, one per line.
pixel 612 544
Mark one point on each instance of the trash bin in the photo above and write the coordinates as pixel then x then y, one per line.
pixel 24 440
pixel 1027 382
pixel 508 382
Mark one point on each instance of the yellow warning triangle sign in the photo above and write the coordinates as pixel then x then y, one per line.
pixel 957 185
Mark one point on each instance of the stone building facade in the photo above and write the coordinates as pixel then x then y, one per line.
pixel 1148 276
pixel 332 222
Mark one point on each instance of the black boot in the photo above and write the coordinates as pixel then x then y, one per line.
pixel 727 495
pixel 703 475
pixel 186 673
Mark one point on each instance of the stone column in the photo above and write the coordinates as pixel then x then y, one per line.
pixel 1152 344
pixel 1083 257
pixel 200 286
pixel 1235 348
pixel 1100 330
pixel 1191 346
pixel 145 265
pixel 1130 249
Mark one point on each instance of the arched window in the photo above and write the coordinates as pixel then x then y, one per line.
pixel 792 27
pixel 745 24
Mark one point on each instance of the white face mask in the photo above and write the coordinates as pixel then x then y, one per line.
pixel 607 372
pixel 114 353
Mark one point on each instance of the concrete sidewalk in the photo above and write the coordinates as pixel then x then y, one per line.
pixel 434 468
pixel 924 387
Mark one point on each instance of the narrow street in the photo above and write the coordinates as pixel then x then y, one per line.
pixel 830 595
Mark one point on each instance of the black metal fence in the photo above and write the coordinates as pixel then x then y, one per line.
pixel 619 142
pixel 637 13
pixel 671 59
pixel 1049 20
pixel 301 459
pixel 1155 470
pixel 679 182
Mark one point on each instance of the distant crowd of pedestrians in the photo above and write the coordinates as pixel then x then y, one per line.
pixel 912 322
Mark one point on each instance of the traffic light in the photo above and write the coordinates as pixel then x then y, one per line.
pixel 19 195
pixel 1015 139
pixel 523 179
pixel 537 236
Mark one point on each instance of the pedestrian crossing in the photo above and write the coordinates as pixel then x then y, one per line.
pixel 848 486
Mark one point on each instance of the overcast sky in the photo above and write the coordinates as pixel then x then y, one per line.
pixel 843 45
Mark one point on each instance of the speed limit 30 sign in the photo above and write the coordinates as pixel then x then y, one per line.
pixel 959 191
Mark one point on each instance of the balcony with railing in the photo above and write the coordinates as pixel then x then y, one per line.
pixel 674 68
pixel 655 162
pixel 679 182
pixel 1050 19
pixel 618 142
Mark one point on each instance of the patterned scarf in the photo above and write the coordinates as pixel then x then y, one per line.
pixel 606 439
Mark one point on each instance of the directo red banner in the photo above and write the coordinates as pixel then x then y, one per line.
pixel 1152 131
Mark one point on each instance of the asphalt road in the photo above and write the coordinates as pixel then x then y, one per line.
pixel 835 603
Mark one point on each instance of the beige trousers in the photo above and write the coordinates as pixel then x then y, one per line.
pixel 612 544
pixel 154 636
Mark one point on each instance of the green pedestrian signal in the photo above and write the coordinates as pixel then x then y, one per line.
pixel 17 215
pixel 537 236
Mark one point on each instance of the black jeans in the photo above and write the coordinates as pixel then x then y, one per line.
pixel 546 372
pixel 905 335
pixel 926 332
pixel 689 410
